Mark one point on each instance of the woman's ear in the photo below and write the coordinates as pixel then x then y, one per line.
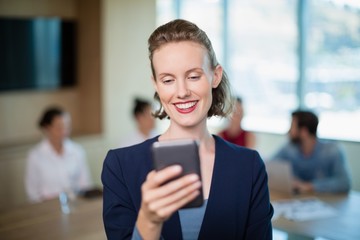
pixel 218 72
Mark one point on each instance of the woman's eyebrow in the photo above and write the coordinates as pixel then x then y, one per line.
pixel 197 69
pixel 165 74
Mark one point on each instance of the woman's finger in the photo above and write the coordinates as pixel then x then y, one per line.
pixel 166 211
pixel 157 178
pixel 176 192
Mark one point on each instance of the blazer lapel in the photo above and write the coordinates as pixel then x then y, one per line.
pixel 221 211
pixel 215 201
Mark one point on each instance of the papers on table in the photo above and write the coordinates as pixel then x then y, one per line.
pixel 303 209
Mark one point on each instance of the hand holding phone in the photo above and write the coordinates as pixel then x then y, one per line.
pixel 184 152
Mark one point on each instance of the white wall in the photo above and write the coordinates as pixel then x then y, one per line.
pixel 126 28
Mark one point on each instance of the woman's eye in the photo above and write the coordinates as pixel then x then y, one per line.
pixel 167 81
pixel 194 77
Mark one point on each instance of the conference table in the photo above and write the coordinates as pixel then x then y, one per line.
pixel 47 221
pixel 345 225
pixel 84 221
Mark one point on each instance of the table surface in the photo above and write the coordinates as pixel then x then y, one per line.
pixel 344 226
pixel 46 221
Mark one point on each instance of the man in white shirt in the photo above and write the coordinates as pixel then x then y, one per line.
pixel 56 164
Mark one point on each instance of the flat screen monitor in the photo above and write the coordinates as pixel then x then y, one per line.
pixel 37 53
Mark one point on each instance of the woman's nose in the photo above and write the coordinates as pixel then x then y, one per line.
pixel 182 90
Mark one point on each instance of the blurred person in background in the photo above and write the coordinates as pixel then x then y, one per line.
pixel 56 164
pixel 318 165
pixel 234 132
pixel 145 123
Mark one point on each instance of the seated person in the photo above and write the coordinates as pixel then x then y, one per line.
pixel 145 123
pixel 234 133
pixel 56 164
pixel 318 165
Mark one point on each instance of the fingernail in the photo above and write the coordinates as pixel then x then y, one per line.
pixel 176 168
pixel 193 177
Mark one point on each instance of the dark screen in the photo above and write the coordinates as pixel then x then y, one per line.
pixel 37 53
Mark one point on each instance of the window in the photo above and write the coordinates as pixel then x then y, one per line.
pixel 283 54
pixel 211 22
pixel 262 65
pixel 333 67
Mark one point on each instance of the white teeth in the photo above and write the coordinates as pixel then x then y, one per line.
pixel 185 105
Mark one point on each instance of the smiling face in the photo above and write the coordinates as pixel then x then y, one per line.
pixel 184 81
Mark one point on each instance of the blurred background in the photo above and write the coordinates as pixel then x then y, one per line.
pixel 280 55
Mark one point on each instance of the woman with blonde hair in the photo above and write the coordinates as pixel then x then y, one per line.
pixel 141 203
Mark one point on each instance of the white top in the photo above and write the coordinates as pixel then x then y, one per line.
pixel 48 173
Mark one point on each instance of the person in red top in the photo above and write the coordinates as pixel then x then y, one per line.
pixel 234 132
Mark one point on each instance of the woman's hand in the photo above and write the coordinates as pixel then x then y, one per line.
pixel 160 198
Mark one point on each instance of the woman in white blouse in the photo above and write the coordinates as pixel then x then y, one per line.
pixel 56 164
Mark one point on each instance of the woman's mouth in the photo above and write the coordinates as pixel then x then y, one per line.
pixel 186 107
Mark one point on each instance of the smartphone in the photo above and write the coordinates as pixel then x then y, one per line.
pixel 184 152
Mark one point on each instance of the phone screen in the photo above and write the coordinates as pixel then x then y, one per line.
pixel 184 152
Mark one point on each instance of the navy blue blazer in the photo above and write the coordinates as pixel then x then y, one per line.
pixel 238 205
